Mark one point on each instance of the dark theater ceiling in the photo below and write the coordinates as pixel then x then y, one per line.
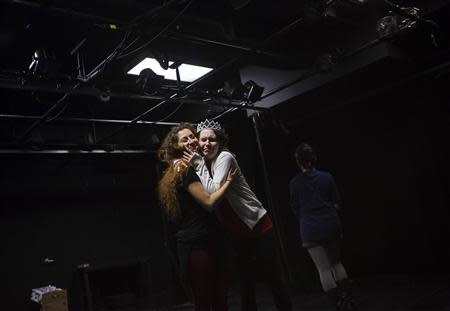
pixel 77 93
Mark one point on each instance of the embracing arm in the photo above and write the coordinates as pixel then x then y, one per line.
pixel 222 166
pixel 205 199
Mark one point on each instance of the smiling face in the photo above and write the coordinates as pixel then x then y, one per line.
pixel 209 145
pixel 187 139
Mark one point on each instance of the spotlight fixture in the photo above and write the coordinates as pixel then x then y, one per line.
pixel 43 62
pixel 148 79
pixel 232 88
pixel 387 26
pixel 249 92
pixel 252 91
pixel 104 97
pixel 400 18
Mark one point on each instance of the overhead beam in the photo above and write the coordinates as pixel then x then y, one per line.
pixel 169 34
pixel 65 11
pixel 173 96
pixel 86 120
pixel 74 151
pixel 54 87
pixel 280 32
pixel 235 46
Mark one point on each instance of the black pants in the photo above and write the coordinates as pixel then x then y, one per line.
pixel 261 252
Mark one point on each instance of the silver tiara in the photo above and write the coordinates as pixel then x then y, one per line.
pixel 208 125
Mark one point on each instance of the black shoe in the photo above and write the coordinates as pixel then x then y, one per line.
pixel 334 295
pixel 346 300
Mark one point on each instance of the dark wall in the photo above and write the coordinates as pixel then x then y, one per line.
pixel 97 209
pixel 86 209
pixel 387 151
pixel 389 155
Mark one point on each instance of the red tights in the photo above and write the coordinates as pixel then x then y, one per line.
pixel 207 281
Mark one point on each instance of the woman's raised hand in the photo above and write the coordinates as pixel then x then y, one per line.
pixel 188 154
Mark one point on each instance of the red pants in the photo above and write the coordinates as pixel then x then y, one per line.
pixel 207 280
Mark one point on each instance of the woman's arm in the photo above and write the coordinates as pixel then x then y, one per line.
pixel 222 166
pixel 206 200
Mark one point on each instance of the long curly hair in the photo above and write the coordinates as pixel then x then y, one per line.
pixel 172 178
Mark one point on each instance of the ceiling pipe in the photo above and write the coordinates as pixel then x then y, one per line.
pixel 208 75
pixel 42 119
pixel 282 31
pixel 271 37
pixel 196 39
pixel 86 120
pixel 169 35
pixel 65 11
pixel 339 60
pixel 82 90
pixel 193 84
pixel 75 151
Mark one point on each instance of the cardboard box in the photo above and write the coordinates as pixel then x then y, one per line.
pixel 55 301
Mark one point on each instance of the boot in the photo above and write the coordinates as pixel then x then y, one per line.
pixel 347 301
pixel 334 295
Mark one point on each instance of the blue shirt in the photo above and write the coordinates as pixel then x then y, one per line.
pixel 314 196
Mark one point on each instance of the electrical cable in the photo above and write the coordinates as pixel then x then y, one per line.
pixel 118 51
pixel 172 113
pixel 50 119
pixel 45 115
pixel 159 33
pixel 136 21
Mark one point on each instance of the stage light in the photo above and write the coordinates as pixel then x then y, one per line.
pixel 188 72
pixel 249 91
pixel 387 26
pixel 148 79
pixel 104 97
pixel 252 91
pixel 399 19
pixel 43 62
pixel 232 88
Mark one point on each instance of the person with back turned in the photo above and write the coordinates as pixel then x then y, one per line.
pixel 314 198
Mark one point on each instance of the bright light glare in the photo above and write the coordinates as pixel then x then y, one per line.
pixel 188 73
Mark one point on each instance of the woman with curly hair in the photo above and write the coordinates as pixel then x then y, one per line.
pixel 188 206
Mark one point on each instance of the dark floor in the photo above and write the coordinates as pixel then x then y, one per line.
pixel 382 293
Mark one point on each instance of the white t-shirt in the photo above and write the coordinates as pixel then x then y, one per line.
pixel 241 198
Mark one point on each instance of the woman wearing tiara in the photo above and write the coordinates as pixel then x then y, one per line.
pixel 242 215
pixel 188 206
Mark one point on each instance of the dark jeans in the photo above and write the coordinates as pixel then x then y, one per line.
pixel 263 251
